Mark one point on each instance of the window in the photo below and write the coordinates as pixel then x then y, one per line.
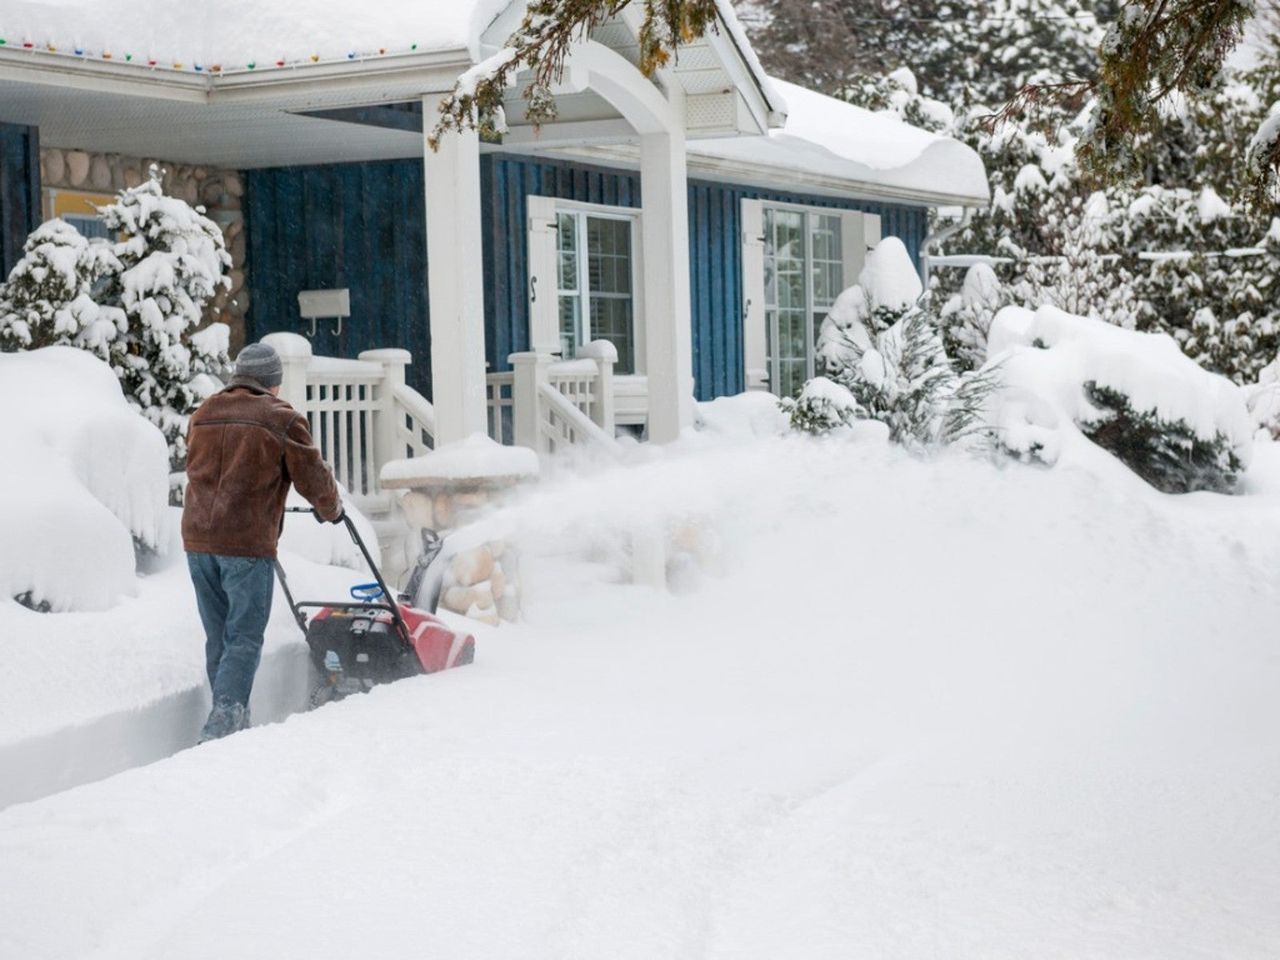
pixel 89 226
pixel 803 274
pixel 80 209
pixel 595 284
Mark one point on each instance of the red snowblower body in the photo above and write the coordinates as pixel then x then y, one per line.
pixel 372 639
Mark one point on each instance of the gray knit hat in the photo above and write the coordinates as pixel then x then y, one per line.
pixel 260 362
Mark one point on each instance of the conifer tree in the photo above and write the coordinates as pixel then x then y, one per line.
pixel 136 301
pixel 172 261
pixel 46 299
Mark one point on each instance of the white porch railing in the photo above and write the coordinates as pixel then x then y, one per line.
pixel 500 400
pixel 361 412
pixel 556 403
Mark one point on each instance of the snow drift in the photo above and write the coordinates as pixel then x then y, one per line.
pixel 83 477
pixel 1047 357
pixel 930 710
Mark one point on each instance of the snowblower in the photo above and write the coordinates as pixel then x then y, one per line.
pixel 373 639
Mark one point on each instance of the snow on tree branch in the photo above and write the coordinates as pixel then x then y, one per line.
pixel 1154 52
pixel 541 46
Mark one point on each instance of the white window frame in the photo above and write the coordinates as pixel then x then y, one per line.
pixel 859 233
pixel 603 211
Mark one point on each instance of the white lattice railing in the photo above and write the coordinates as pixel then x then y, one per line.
pixel 557 403
pixel 361 412
pixel 415 422
pixel 562 424
pixel 500 401
pixel 576 381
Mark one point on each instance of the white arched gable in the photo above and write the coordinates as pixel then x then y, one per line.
pixel 593 66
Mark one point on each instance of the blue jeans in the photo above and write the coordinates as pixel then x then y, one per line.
pixel 234 598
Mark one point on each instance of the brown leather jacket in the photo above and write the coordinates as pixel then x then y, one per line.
pixel 244 448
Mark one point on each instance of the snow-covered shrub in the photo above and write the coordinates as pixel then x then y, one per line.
pixel 47 298
pixel 1070 385
pixel 1082 274
pixel 967 316
pixel 822 406
pixel 135 302
pixel 1168 454
pixel 83 480
pixel 905 381
pixel 882 348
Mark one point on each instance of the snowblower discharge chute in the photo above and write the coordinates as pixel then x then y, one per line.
pixel 372 638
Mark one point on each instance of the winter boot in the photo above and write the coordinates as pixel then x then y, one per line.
pixel 225 718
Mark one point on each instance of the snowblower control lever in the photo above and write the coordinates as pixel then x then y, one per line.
pixel 387 604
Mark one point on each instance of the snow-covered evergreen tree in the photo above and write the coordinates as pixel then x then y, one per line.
pixel 1168 454
pixel 172 261
pixel 821 406
pixel 47 297
pixel 136 302
pixel 966 318
pixel 1081 272
pixel 881 346
pixel 963 53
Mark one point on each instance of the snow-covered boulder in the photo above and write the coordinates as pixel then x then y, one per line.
pixel 1065 379
pixel 82 477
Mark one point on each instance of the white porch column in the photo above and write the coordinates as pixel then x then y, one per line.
pixel 665 242
pixel 455 280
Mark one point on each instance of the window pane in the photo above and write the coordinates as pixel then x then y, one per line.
pixel 569 325
pixel 608 255
pixel 567 248
pixel 786 299
pixel 827 268
pixel 611 319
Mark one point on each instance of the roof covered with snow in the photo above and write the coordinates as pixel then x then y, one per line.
pixel 828 140
pixel 233 34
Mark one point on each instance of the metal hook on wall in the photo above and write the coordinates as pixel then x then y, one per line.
pixel 337 331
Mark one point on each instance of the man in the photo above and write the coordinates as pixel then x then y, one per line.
pixel 244 447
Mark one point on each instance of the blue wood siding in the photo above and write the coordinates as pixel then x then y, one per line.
pixel 715 259
pixel 505 184
pixel 356 225
pixel 362 226
pixel 20 211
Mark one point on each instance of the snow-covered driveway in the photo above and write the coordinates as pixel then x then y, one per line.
pixel 929 710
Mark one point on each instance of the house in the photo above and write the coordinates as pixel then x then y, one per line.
pixel 701 221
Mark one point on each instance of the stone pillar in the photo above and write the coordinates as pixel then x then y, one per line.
pixel 455 280
pixel 449 491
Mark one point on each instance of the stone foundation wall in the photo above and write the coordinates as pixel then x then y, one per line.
pixel 219 191
pixel 482 581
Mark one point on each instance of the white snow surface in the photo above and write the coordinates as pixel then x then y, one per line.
pixel 830 138
pixel 889 276
pixel 234 33
pixel 82 476
pixel 1045 357
pixel 923 709
pixel 475 457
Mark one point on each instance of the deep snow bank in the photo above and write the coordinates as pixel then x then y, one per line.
pixel 82 476
pixel 1045 357
pixel 926 710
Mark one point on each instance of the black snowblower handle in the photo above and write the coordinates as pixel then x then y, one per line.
pixel 390 606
